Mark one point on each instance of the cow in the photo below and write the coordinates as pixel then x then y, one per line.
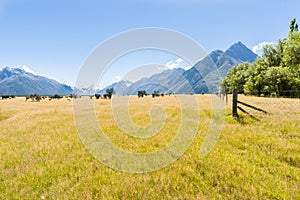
pixel 107 96
pixel 142 93
pixel 74 96
pixel 56 96
pixel 5 97
pixel 34 97
pixel 97 96
pixel 156 94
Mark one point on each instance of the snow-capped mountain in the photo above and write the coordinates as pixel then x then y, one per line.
pixel 23 81
pixel 26 69
pixel 203 77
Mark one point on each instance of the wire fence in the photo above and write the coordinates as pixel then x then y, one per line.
pixel 283 107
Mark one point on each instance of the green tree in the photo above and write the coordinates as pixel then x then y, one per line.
pixel 110 92
pixel 276 72
pixel 291 56
pixel 293 25
pixel 236 78
pixel 255 83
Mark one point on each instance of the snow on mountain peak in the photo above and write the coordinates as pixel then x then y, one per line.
pixel 25 68
pixel 64 82
pixel 18 69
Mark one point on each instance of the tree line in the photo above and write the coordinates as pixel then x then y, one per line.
pixel 275 73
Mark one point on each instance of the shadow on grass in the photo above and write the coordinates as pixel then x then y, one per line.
pixel 245 119
pixel 242 119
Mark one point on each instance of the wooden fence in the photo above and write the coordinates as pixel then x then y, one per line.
pixel 235 106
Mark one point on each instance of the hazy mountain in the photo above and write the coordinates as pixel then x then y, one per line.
pixel 19 81
pixel 204 76
pixel 119 87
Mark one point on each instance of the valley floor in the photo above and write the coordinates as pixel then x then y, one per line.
pixel 42 156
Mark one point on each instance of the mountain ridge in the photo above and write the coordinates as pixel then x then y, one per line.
pixel 203 77
pixel 18 81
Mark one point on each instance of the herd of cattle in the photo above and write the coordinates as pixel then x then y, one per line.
pixel 36 97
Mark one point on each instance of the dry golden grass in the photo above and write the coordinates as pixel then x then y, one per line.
pixel 41 154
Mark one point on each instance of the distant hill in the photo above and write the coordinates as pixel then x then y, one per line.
pixel 203 77
pixel 18 81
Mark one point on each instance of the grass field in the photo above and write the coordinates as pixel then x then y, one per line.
pixel 42 156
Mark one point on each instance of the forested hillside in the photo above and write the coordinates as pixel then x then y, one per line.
pixel 276 72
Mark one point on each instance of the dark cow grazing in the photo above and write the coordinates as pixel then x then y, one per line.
pixel 107 96
pixel 34 97
pixel 142 93
pixel 97 96
pixel 56 96
pixel 5 97
pixel 155 94
pixel 74 96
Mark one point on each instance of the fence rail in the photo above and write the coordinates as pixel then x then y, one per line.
pixel 282 108
pixel 235 106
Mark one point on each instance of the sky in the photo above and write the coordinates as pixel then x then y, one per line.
pixel 54 37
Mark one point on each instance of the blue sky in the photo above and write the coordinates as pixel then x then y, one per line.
pixel 53 37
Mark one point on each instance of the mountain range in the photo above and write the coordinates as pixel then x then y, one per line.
pixel 203 77
pixel 19 81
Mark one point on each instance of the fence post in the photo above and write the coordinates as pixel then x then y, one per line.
pixel 226 97
pixel 234 103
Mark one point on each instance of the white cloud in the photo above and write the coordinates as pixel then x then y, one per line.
pixel 173 64
pixel 259 47
pixel 118 78
pixel 179 60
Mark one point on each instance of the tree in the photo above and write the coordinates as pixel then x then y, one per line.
pixel 236 78
pixel 254 85
pixel 291 56
pixel 109 92
pixel 293 25
pixel 273 55
pixel 276 72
